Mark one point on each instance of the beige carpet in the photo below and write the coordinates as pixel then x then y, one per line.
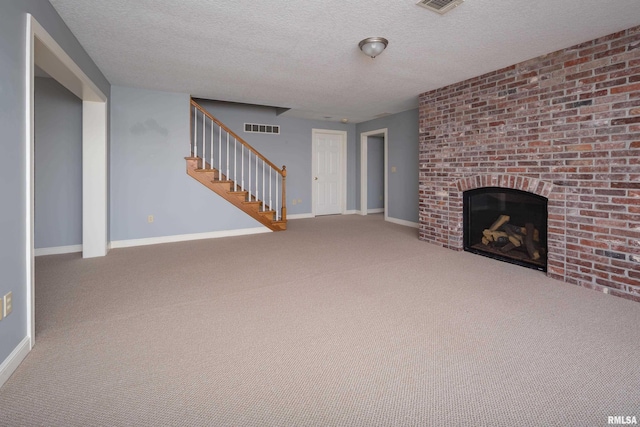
pixel 339 321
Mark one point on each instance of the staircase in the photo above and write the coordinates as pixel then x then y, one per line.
pixel 224 163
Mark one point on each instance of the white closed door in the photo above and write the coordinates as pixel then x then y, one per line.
pixel 328 173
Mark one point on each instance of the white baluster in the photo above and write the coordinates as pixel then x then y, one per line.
pixel 270 200
pixel 195 132
pixel 277 201
pixel 204 140
pixel 211 147
pixel 242 168
pixel 257 188
pixel 220 154
pixel 235 164
pixel 249 175
pixel 264 198
pixel 228 155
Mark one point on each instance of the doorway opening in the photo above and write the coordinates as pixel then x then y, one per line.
pixel 45 53
pixel 372 174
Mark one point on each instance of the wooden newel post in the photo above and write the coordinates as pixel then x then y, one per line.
pixel 284 193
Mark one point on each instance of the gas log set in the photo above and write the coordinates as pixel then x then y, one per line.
pixel 516 241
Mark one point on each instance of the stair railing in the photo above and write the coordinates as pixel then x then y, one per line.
pixel 219 148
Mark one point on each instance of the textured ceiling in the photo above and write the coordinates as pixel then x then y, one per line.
pixel 304 55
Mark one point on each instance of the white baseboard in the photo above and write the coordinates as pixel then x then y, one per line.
pixel 369 211
pixel 11 363
pixel 58 250
pixel 300 216
pixel 403 222
pixel 185 237
pixel 310 215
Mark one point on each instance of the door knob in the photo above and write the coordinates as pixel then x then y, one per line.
pixel 316 178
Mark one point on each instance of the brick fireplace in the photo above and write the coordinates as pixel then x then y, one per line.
pixel 564 126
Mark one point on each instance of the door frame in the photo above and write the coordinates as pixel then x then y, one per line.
pixel 43 50
pixel 343 169
pixel 363 169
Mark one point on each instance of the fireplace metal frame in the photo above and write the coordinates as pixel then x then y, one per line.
pixel 468 245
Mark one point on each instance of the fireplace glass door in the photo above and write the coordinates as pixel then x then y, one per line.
pixel 505 224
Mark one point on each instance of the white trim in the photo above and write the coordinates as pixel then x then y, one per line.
pixel 403 222
pixel 351 212
pixel 94 179
pixel 186 237
pixel 363 170
pixel 374 211
pixel 386 174
pixel 300 216
pixel 57 250
pixel 364 181
pixel 343 134
pixel 59 65
pixel 29 182
pixel 11 363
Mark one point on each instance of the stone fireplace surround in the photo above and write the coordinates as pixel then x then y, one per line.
pixel 565 126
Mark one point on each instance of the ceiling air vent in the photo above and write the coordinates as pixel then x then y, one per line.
pixel 255 128
pixel 439 6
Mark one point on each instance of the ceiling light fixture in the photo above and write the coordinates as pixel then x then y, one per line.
pixel 373 46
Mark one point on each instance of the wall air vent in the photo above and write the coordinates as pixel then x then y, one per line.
pixel 439 6
pixel 255 128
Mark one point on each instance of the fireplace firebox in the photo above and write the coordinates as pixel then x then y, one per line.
pixel 506 224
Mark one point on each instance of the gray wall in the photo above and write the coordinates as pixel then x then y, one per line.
pixel 13 191
pixel 403 155
pixel 292 147
pixel 58 165
pixel 375 172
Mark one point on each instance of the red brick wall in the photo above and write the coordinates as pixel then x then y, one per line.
pixel 565 126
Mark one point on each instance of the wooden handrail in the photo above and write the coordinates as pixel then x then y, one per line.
pixel 242 141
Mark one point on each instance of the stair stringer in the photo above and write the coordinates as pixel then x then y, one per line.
pixel 224 188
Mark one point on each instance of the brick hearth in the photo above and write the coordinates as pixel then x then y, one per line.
pixel 565 126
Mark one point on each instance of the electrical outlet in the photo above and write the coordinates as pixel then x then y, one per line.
pixel 8 304
pixel 393 169
pixel 150 219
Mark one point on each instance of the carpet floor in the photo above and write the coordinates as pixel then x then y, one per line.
pixel 339 321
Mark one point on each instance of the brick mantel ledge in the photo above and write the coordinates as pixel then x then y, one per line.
pixel 522 183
